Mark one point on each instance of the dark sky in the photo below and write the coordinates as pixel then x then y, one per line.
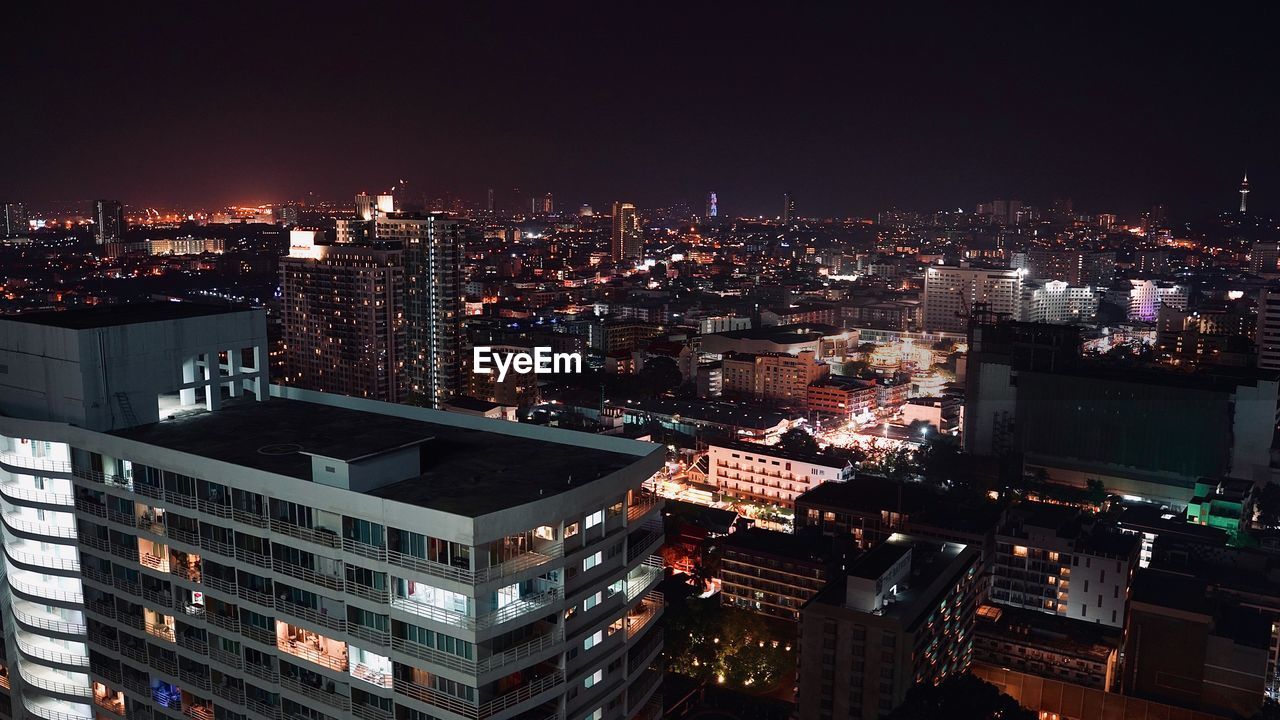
pixel 852 110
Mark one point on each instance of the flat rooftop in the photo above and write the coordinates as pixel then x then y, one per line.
pixel 123 314
pixel 464 471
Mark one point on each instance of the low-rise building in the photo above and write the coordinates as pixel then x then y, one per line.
pixel 1085 654
pixel 771 573
pixel 766 474
pixel 843 398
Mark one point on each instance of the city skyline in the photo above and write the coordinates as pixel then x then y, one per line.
pixel 862 117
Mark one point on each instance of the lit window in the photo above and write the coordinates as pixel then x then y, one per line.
pixel 570 530
pixel 592 601
pixel 593 678
pixel 593 640
pixel 1019 551
pixel 592 560
pixel 594 519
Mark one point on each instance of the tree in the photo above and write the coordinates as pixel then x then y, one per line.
pixel 798 440
pixel 1095 491
pixel 963 697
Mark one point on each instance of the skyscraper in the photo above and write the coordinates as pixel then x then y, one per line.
pixel 627 240
pixel 788 207
pixel 1268 335
pixel 343 320
pixel 304 554
pixel 490 207
pixel 13 220
pixel 548 204
pixel 713 209
pixel 108 221
pixel 1244 193
pixel 433 306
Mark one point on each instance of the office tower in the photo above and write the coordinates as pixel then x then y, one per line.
pixel 952 294
pixel 14 221
pixel 1052 559
pixel 489 203
pixel 108 221
pixel 304 555
pixel 713 209
pixel 627 242
pixel 548 204
pixel 433 306
pixel 1077 268
pixel 1268 331
pixel 788 208
pixel 903 614
pixel 1244 193
pixel 1264 257
pixel 342 309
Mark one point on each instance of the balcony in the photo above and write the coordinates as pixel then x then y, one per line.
pixel 15 491
pixel 318 536
pixel 310 615
pixel 442 700
pixel 644 613
pixel 253 557
pixel 37 649
pixel 331 582
pixel 332 699
pixel 641 504
pixel 26 462
pixel 312 647
pixel 355 547
pixel 225 549
pixel 225 657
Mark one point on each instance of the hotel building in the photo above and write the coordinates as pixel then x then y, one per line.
pixel 180 540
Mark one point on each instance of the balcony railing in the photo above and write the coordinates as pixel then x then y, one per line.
pixel 648 610
pixel 369 712
pixel 225 657
pixel 217 583
pixel 521 562
pixel 373 552
pixel 265 673
pixel 224 549
pixel 35 463
pixel 124 518
pixel 363 632
pixel 43 560
pixel 448 702
pixel 33 650
pixel 641 504
pixel 164 632
pixel 248 518
pixel 91 507
pixel 309 575
pixel 61 688
pixel 40 527
pixel 302 650
pixel 44 623
pixel 263 709
pixel 310 615
pixel 43 590
pixel 253 557
pixel 47 497
pixel 324 537
pixel 255 596
pixel 332 699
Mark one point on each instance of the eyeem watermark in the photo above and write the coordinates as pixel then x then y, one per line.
pixel 540 362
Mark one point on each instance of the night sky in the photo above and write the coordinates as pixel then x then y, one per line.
pixel 850 110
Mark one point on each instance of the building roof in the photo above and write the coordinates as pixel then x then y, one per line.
pixel 125 314
pixel 1062 634
pixel 871 493
pixel 878 560
pixel 465 471
pixel 800 546
pixel 773 451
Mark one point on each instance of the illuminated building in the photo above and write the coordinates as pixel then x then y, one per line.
pixel 1244 193
pixel 769 572
pixel 1077 652
pixel 788 208
pixel 108 221
pixel 843 398
pixel 713 206
pixel 952 293
pixel 765 474
pixel 779 378
pixel 1052 559
pixel 342 309
pixel 433 306
pixel 548 204
pixel 1264 257
pixel 1053 301
pixel 14 221
pixel 903 615
pixel 626 239
pixel 1143 298
pixel 305 556
pixel 1268 333
pixel 1077 268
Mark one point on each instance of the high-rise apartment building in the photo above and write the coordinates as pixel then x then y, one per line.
pixel 304 555
pixel 1264 257
pixel 1268 332
pixel 626 239
pixel 14 220
pixel 713 206
pixel 779 378
pixel 108 221
pixel 1053 301
pixel 433 305
pixel 788 207
pixel 953 292
pixel 1077 268
pixel 342 308
pixel 904 615
pixel 548 204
